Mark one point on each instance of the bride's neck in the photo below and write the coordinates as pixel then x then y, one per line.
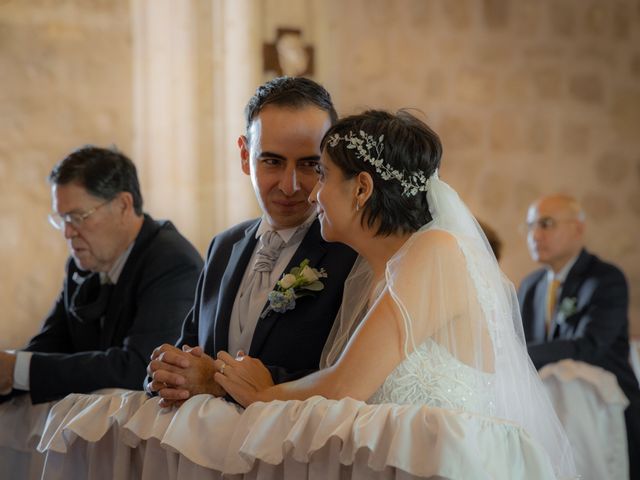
pixel 378 250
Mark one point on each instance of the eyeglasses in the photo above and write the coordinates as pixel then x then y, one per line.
pixel 546 223
pixel 75 219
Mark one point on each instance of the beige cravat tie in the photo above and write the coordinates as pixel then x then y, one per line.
pixel 552 297
pixel 271 245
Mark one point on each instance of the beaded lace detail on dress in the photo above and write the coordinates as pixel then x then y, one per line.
pixel 431 376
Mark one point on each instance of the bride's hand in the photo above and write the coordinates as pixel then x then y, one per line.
pixel 243 377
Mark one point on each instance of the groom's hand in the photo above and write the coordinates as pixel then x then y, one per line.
pixel 200 374
pixel 179 374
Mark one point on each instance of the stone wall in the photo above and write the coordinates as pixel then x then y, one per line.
pixel 65 76
pixel 529 98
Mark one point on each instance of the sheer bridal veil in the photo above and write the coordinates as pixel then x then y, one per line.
pixel 449 289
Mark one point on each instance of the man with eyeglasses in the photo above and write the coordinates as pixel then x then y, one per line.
pixel 129 283
pixel 577 305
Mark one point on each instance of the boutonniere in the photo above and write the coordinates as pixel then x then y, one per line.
pixel 301 281
pixel 568 307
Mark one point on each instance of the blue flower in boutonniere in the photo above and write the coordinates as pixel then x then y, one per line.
pixel 568 307
pixel 299 282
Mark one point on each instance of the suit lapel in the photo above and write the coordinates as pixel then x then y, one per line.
pixel 570 289
pixel 238 261
pixel 575 276
pixel 114 312
pixel 313 247
pixel 539 308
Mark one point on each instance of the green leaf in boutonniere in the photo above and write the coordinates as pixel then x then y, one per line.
pixel 301 281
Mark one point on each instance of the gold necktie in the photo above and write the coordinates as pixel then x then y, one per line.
pixel 552 296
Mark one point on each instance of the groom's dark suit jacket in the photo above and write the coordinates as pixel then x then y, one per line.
pixel 144 309
pixel 597 332
pixel 289 343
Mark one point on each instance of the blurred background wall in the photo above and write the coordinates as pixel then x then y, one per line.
pixel 529 97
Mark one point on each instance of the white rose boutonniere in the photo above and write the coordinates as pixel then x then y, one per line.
pixel 301 281
pixel 287 281
pixel 568 307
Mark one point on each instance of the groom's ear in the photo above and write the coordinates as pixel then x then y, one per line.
pixel 364 187
pixel 245 154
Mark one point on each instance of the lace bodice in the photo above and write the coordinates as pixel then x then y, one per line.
pixel 431 376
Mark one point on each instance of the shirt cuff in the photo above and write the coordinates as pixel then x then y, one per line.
pixel 21 371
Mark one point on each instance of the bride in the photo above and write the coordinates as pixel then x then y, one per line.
pixel 429 318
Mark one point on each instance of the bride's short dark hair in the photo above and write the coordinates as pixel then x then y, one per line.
pixel 410 147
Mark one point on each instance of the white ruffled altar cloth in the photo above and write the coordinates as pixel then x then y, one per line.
pixel 590 405
pixel 21 424
pixel 124 435
pixel 82 436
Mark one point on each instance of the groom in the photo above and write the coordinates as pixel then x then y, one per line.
pixel 285 122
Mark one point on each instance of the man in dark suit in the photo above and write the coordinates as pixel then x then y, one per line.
pixel 576 307
pixel 285 122
pixel 129 281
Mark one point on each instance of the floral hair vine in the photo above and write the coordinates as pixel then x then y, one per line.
pixel 370 150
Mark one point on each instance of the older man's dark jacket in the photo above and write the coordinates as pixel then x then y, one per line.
pixel 144 309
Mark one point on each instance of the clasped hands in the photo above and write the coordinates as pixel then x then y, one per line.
pixel 177 375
